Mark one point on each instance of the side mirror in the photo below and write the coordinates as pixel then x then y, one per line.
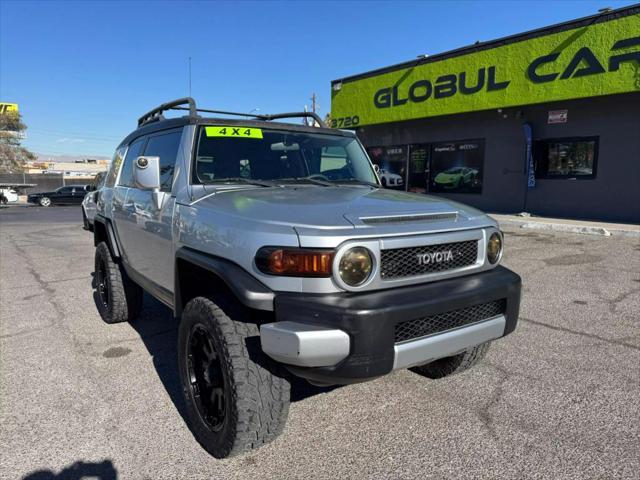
pixel 146 173
pixel 146 176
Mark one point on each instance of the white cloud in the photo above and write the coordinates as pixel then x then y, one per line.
pixel 70 140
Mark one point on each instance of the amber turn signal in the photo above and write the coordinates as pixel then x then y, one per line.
pixel 295 262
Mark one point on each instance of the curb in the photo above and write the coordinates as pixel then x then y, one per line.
pixel 567 228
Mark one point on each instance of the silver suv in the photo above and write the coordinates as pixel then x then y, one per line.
pixel 281 255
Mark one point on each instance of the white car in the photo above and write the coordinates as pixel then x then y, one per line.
pixel 8 195
pixel 389 179
pixel 89 202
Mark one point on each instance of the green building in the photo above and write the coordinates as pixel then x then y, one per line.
pixel 546 121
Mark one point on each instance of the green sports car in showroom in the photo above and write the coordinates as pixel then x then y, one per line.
pixel 456 177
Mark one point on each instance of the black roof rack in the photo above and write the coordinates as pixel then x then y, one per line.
pixel 156 114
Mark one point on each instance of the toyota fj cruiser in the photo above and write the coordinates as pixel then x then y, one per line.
pixel 280 253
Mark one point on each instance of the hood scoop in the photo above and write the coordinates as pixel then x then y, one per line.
pixel 421 217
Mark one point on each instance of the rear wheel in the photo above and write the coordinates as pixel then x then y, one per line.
pixel 236 399
pixel 45 201
pixel 119 299
pixel 451 365
pixel 85 222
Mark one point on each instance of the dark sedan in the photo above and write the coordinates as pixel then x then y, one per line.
pixel 68 195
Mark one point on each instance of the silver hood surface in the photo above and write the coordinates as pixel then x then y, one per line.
pixel 319 207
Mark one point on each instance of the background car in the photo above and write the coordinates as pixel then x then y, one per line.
pixel 8 195
pixel 456 177
pixel 389 179
pixel 68 195
pixel 89 201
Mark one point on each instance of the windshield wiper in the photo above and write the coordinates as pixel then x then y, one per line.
pixel 315 181
pixel 248 181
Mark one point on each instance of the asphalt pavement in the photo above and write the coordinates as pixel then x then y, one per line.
pixel 559 398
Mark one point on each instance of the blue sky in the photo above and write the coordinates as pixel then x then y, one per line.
pixel 83 72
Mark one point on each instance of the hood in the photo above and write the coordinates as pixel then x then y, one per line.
pixel 319 207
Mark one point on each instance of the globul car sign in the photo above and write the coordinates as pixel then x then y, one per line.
pixel 601 61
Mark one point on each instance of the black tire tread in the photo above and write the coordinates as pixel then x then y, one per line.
pixel 445 367
pixel 125 299
pixel 261 397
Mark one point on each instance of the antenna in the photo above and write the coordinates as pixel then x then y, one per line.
pixel 189 76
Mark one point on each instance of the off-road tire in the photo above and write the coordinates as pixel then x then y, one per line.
pixel 451 365
pixel 257 393
pixel 85 222
pixel 124 301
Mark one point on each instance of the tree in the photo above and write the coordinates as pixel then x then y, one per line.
pixel 327 120
pixel 12 155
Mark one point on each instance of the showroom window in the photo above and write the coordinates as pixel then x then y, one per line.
pixel 392 162
pixel 566 157
pixel 457 167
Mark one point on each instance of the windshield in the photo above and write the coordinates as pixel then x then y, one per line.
pixel 237 154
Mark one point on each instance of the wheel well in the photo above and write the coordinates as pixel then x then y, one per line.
pixel 195 281
pixel 99 233
pixel 192 281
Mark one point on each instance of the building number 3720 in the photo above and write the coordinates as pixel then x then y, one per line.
pixel 345 122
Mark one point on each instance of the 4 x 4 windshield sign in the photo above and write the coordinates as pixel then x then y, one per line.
pixel 237 132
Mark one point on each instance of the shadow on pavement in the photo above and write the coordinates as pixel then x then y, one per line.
pixel 80 470
pixel 159 332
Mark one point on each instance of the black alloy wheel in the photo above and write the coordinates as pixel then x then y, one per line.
pixel 206 377
pixel 117 297
pixel 102 281
pixel 236 397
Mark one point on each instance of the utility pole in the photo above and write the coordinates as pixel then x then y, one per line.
pixel 314 107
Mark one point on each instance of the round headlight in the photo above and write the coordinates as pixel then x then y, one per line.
pixel 494 248
pixel 355 266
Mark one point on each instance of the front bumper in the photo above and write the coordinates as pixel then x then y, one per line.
pixel 312 343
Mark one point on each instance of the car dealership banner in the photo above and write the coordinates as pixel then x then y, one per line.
pixel 588 61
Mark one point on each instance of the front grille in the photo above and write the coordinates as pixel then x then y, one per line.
pixel 411 261
pixel 441 322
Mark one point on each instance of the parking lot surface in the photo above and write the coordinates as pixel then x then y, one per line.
pixel 559 398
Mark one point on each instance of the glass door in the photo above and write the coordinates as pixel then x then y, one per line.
pixel 419 163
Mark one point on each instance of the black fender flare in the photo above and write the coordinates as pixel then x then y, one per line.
pixel 250 291
pixel 112 240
